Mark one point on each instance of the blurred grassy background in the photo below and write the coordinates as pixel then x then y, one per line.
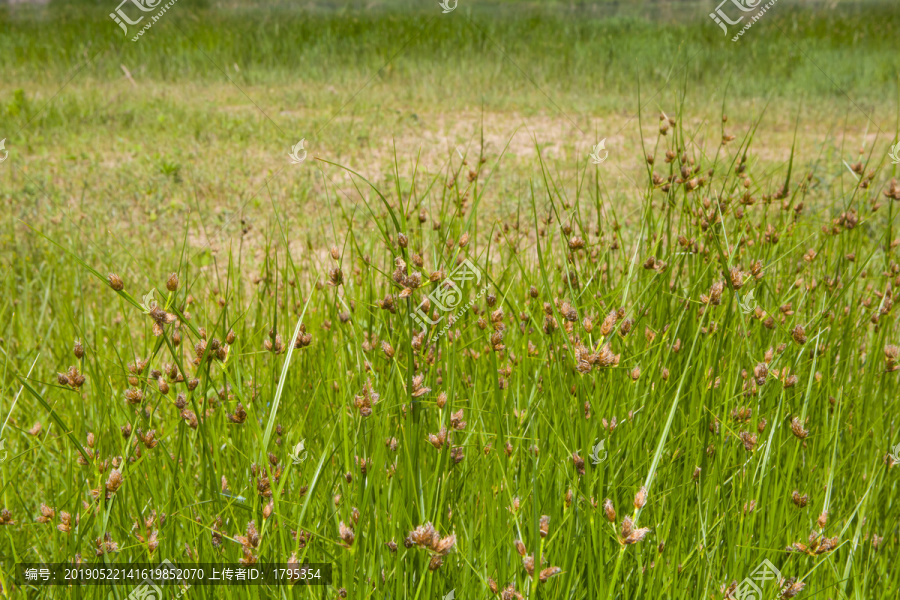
pixel 582 51
pixel 199 113
pixel 227 87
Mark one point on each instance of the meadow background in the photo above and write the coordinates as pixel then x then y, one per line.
pixel 469 133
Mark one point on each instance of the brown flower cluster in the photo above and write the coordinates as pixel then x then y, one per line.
pixel 817 544
pixel 249 543
pixel 366 399
pixel 71 378
pixel 426 536
pixel 586 360
pixel 628 534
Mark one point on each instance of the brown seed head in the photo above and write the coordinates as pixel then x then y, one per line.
pixel 797 428
pixel 114 481
pixel 640 499
pixel 548 573
pixel 749 441
pixel 115 282
pixel 609 511
pixel 799 500
pixel 579 463
pixel 346 534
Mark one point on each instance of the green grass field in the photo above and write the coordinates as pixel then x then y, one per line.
pixel 514 372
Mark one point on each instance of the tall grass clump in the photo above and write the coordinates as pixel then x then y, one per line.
pixel 650 393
